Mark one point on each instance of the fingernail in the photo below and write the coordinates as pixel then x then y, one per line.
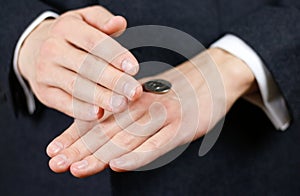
pixel 130 90
pixel 118 162
pixel 129 68
pixel 55 147
pixel 95 110
pixel 117 102
pixel 81 165
pixel 60 160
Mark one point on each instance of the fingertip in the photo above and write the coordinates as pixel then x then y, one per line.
pixel 115 26
pixel 126 62
pixel 118 103
pixel 115 168
pixel 130 66
pixel 121 21
pixel 48 151
pixel 59 163
pixel 51 166
pixel 76 172
pixel 138 93
pixel 54 148
pixel 86 167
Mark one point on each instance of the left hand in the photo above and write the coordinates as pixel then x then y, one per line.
pixel 156 123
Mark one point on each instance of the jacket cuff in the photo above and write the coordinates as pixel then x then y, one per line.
pixel 269 99
pixel 27 91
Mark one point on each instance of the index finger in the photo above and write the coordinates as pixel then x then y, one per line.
pixel 91 40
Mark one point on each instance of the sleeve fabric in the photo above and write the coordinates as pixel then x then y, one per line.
pixel 269 98
pixel 17 15
pixel 274 34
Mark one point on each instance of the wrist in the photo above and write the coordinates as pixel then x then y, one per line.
pixel 238 79
pixel 235 79
pixel 30 48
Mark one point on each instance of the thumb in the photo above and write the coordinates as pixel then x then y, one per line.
pixel 103 20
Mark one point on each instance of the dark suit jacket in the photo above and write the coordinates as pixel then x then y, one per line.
pixel 250 157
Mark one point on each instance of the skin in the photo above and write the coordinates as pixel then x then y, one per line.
pixel 64 57
pixel 175 118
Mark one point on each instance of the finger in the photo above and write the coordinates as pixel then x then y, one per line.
pixel 60 100
pixel 115 26
pixel 85 90
pixel 87 167
pixel 86 144
pixel 151 149
pixel 95 42
pixel 122 142
pixel 133 135
pixel 120 83
pixel 68 137
pixel 98 71
pixel 102 19
pixel 81 148
pixel 92 165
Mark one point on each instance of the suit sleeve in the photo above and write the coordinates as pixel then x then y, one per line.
pixel 16 16
pixel 274 33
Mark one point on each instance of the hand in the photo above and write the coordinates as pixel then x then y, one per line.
pixel 134 138
pixel 72 65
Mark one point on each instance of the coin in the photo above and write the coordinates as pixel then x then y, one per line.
pixel 158 86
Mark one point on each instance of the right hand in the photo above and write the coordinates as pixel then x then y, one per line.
pixel 72 64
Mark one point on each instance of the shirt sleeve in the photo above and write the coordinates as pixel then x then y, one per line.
pixel 269 98
pixel 27 91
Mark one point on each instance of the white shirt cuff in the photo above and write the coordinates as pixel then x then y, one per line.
pixel 28 93
pixel 269 98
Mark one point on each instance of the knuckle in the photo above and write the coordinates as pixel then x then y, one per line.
pixel 103 127
pixel 48 48
pixel 74 152
pixel 82 65
pixel 124 142
pixel 99 127
pixel 103 131
pixel 71 84
pixel 100 132
pixel 101 99
pixel 59 27
pixel 102 71
pixel 154 144
pixel 98 97
pixel 115 80
pixel 68 137
pixel 90 43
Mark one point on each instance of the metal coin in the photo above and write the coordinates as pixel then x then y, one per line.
pixel 158 86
